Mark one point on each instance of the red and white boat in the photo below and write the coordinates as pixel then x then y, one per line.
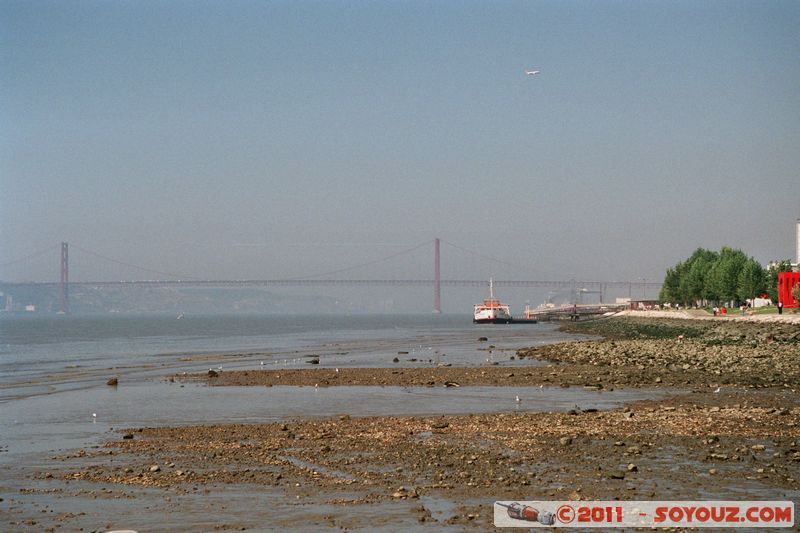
pixel 491 311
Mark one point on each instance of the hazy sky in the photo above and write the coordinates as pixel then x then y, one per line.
pixel 243 139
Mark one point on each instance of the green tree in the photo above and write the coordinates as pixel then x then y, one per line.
pixel 699 265
pixel 670 289
pixel 752 280
pixel 773 269
pixel 724 274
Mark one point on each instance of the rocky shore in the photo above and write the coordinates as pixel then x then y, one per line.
pixel 735 436
pixel 636 352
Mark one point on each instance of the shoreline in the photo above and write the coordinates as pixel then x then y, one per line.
pixel 633 352
pixel 732 427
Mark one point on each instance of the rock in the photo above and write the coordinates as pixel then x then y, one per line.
pixel 632 467
pixel 758 447
pixel 213 373
pixel 395 360
pixel 482 339
pixel 112 382
pixel 155 468
pixel 617 475
pixel 439 425
pixel 451 384
pixel 314 361
pixel 127 436
pixel 565 441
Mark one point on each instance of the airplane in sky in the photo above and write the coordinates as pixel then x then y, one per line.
pixel 532 72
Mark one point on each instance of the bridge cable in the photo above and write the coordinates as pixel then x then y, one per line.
pixel 131 265
pixel 368 263
pixel 30 256
pixel 483 256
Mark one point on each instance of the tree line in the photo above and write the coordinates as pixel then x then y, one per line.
pixel 728 276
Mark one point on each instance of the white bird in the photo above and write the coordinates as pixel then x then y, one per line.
pixel 94 417
pixel 517 399
pixel 531 72
pixel 337 370
pixel 716 391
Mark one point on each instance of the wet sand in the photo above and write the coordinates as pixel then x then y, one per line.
pixel 637 352
pixel 734 435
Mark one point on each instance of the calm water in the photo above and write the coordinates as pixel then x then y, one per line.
pixel 54 397
pixel 53 370
pixel 70 350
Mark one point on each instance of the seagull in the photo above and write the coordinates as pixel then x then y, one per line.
pixel 532 72
pixel 337 370
pixel 517 399
pixel 94 417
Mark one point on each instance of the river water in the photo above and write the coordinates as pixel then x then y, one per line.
pixel 53 373
pixel 53 370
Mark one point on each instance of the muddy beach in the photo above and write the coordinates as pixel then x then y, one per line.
pixel 729 428
pixel 636 352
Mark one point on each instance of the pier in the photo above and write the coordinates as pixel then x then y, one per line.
pixel 572 312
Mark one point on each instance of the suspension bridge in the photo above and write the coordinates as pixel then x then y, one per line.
pixel 576 288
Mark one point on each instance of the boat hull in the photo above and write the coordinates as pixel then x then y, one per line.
pixel 491 320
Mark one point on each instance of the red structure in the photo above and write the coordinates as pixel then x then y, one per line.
pixel 787 281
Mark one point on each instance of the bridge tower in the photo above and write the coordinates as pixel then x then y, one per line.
pixel 437 279
pixel 64 293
